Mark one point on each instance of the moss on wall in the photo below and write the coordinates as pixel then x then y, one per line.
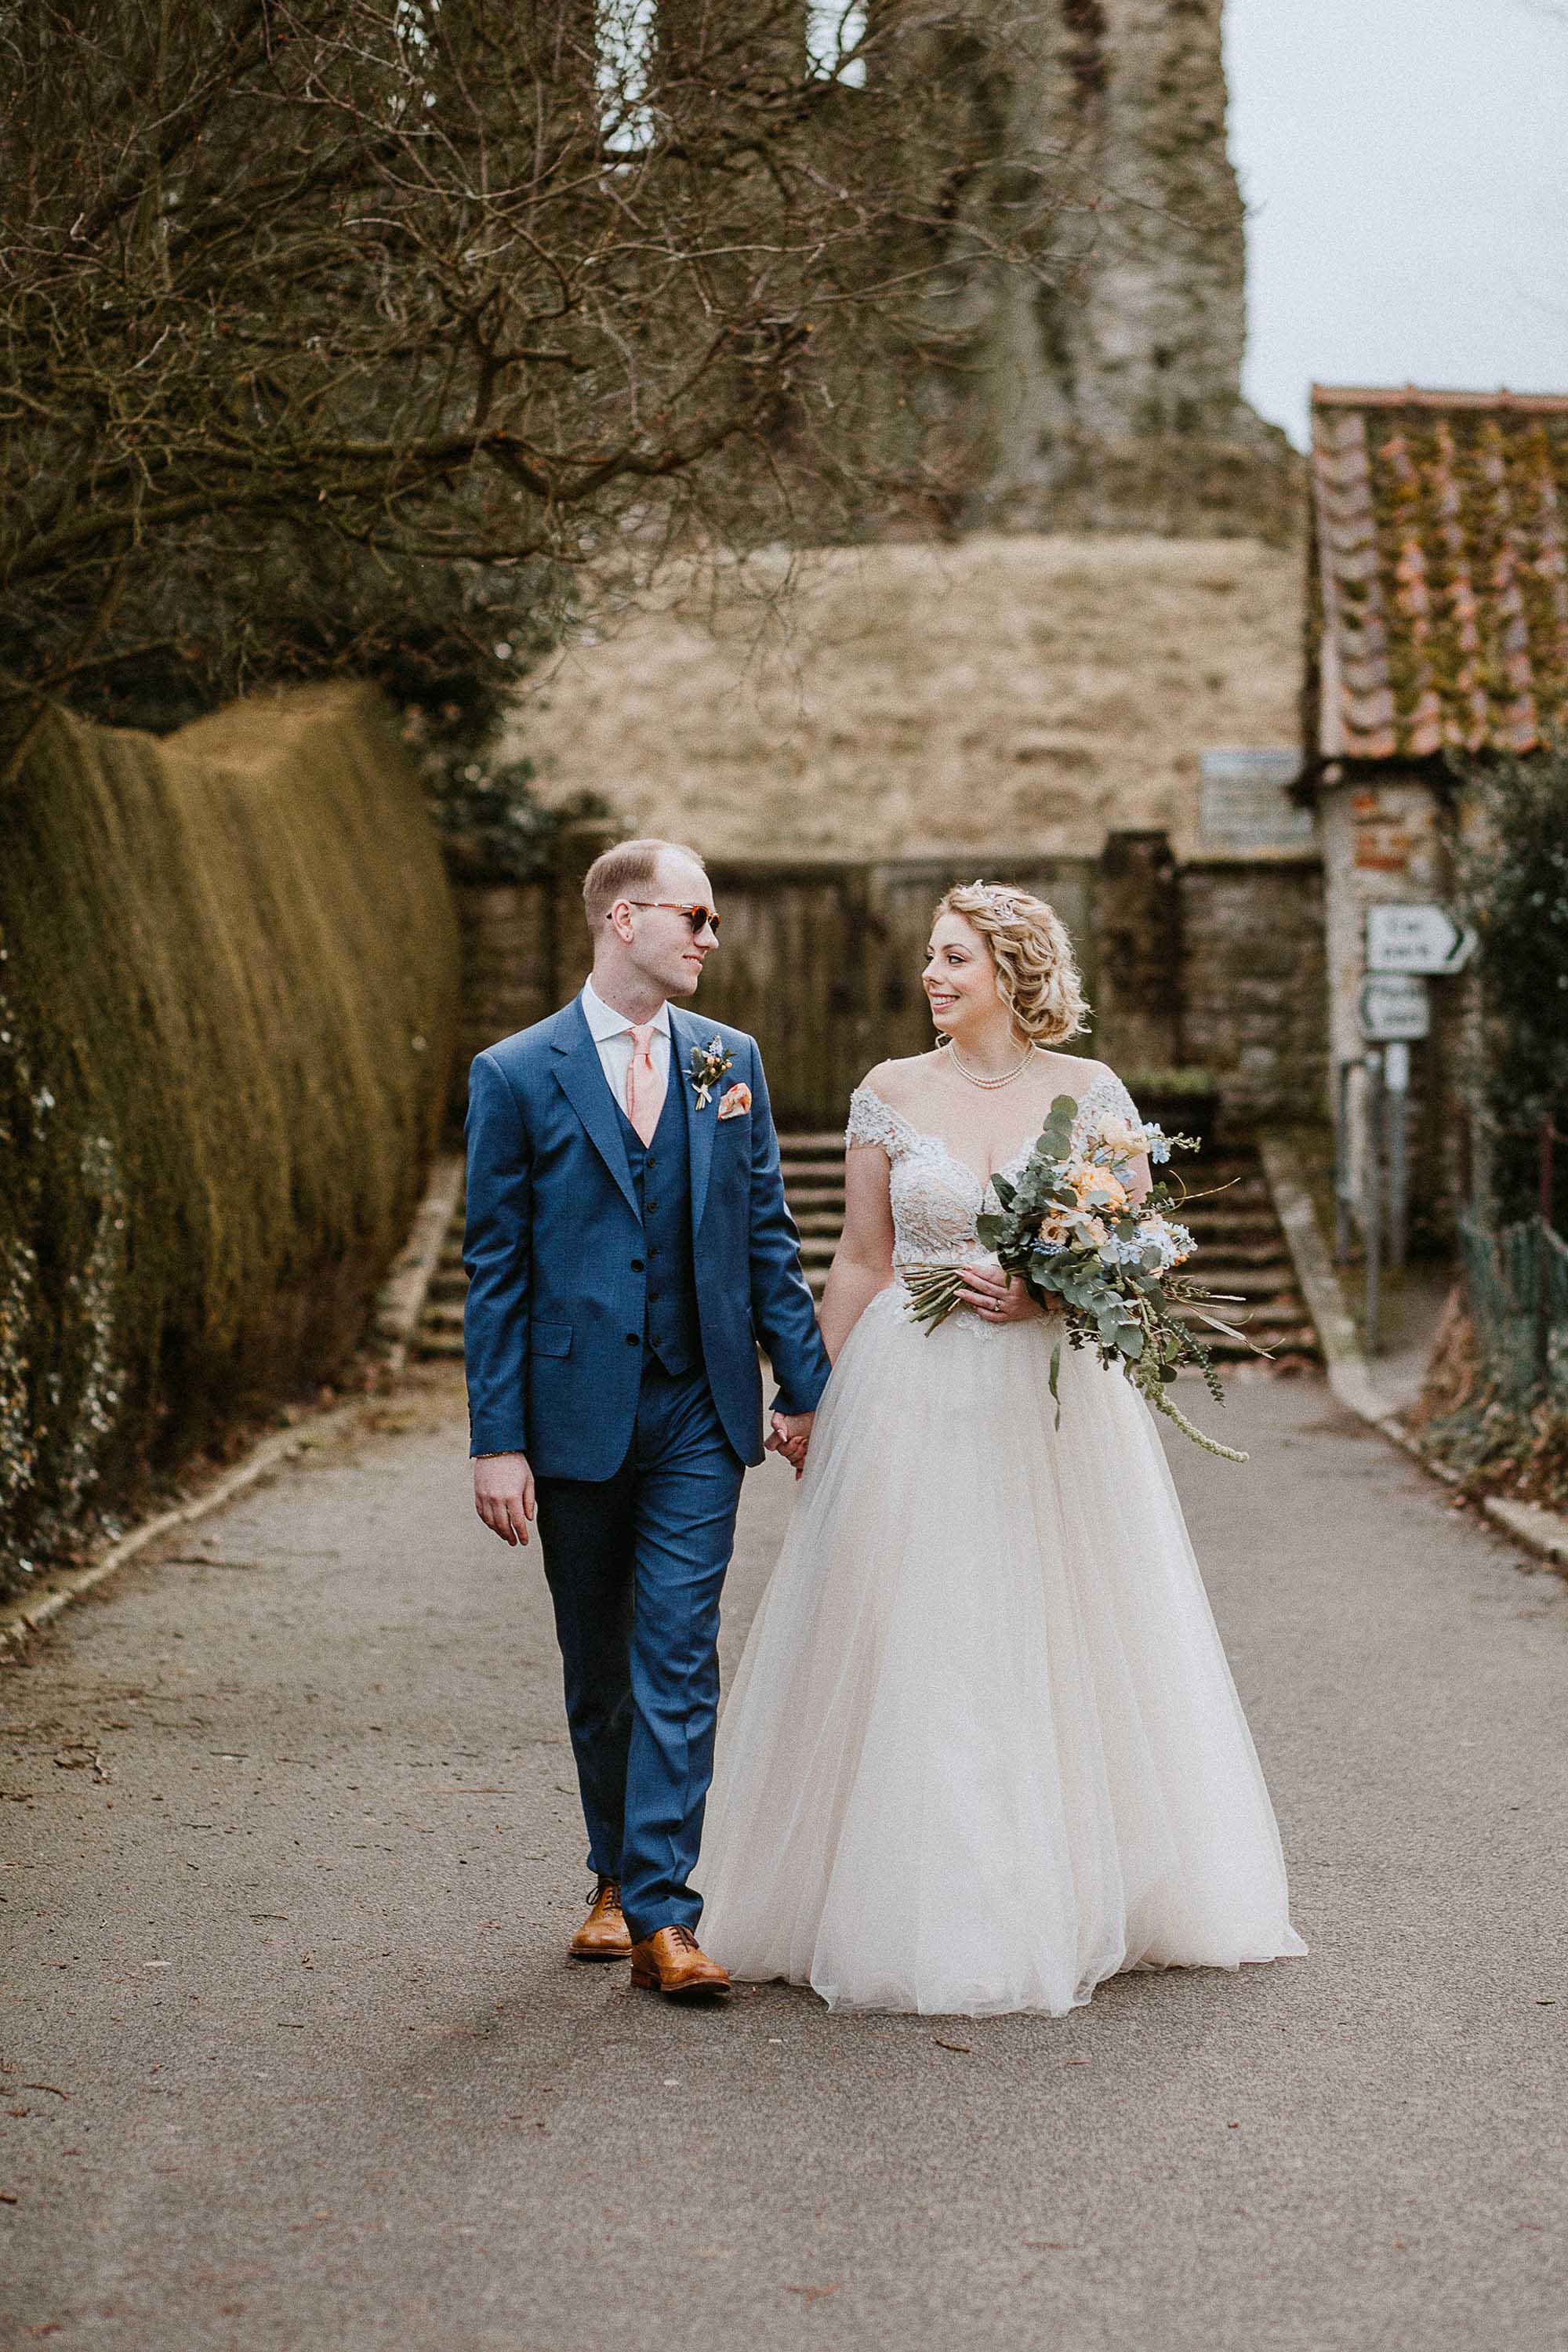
pixel 226 1001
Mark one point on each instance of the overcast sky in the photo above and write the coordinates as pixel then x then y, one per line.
pixel 1405 167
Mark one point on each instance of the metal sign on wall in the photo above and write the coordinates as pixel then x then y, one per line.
pixel 1393 1006
pixel 1416 939
pixel 1243 800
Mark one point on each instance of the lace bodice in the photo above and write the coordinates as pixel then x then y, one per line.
pixel 936 1196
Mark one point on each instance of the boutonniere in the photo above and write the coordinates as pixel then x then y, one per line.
pixel 708 1066
pixel 737 1102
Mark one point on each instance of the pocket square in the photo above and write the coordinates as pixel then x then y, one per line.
pixel 736 1103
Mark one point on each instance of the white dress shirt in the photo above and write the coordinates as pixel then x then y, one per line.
pixel 612 1034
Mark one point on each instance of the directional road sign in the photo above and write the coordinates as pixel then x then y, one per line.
pixel 1423 939
pixel 1393 1005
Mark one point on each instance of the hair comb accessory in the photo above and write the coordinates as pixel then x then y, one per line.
pixel 1002 902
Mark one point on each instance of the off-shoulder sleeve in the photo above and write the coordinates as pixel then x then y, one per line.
pixel 871 1120
pixel 1105 1098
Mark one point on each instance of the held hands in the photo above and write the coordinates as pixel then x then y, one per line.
pixel 997 1298
pixel 504 1495
pixel 791 1437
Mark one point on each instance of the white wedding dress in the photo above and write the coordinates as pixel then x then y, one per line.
pixel 983 1750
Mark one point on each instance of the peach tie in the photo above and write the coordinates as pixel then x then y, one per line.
pixel 642 1084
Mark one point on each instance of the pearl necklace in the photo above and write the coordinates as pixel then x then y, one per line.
pixel 951 1050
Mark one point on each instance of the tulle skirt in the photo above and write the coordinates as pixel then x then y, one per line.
pixel 983 1750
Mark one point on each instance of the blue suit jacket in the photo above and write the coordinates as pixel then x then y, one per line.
pixel 553 1250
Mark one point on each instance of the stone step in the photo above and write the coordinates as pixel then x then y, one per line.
pixel 1245 1197
pixel 1241 1251
pixel 1255 1271
pixel 1234 1240
pixel 441 1315
pixel 1244 1249
pixel 429 1346
pixel 1262 1319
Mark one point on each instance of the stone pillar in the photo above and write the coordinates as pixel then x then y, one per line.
pixel 1137 928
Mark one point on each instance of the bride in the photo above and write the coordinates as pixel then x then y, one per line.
pixel 983 1750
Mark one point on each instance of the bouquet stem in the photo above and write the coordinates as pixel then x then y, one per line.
pixel 1155 1395
pixel 934 1291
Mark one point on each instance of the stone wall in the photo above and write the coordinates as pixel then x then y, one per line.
pixel 1254 985
pixel 898 700
pixel 1383 839
pixel 509 965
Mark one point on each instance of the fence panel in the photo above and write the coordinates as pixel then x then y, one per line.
pixel 1518 1281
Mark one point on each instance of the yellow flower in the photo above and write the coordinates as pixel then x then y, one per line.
pixel 1097 1187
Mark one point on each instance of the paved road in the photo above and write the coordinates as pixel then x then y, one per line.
pixel 294 2060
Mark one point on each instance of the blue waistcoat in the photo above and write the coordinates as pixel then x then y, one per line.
pixel 661 1177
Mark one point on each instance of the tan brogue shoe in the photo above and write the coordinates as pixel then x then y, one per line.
pixel 603 1935
pixel 672 1961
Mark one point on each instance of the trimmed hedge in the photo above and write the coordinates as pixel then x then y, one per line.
pixel 227 996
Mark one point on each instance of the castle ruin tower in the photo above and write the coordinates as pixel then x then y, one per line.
pixel 1109 396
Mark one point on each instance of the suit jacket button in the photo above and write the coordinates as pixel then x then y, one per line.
pixel 631 1338
pixel 637 1266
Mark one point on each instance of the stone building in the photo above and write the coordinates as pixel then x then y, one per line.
pixel 1436 623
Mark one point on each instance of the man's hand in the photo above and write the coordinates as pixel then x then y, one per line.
pixel 791 1437
pixel 504 1495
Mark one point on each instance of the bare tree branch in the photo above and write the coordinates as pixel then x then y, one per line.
pixel 312 310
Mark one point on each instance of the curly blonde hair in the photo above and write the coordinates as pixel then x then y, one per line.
pixel 1037 977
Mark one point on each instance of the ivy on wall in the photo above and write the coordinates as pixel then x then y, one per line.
pixel 1514 880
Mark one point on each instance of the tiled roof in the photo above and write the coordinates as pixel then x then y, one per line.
pixel 1440 618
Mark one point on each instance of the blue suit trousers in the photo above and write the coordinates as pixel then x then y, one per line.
pixel 636 1565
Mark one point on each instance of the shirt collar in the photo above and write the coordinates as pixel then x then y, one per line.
pixel 603 1021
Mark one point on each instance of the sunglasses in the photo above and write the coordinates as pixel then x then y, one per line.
pixel 696 915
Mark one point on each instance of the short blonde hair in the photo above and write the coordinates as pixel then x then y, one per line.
pixel 631 865
pixel 1037 975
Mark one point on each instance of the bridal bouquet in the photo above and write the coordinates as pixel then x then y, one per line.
pixel 1068 1228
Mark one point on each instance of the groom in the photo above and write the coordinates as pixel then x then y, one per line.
pixel 627 1246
